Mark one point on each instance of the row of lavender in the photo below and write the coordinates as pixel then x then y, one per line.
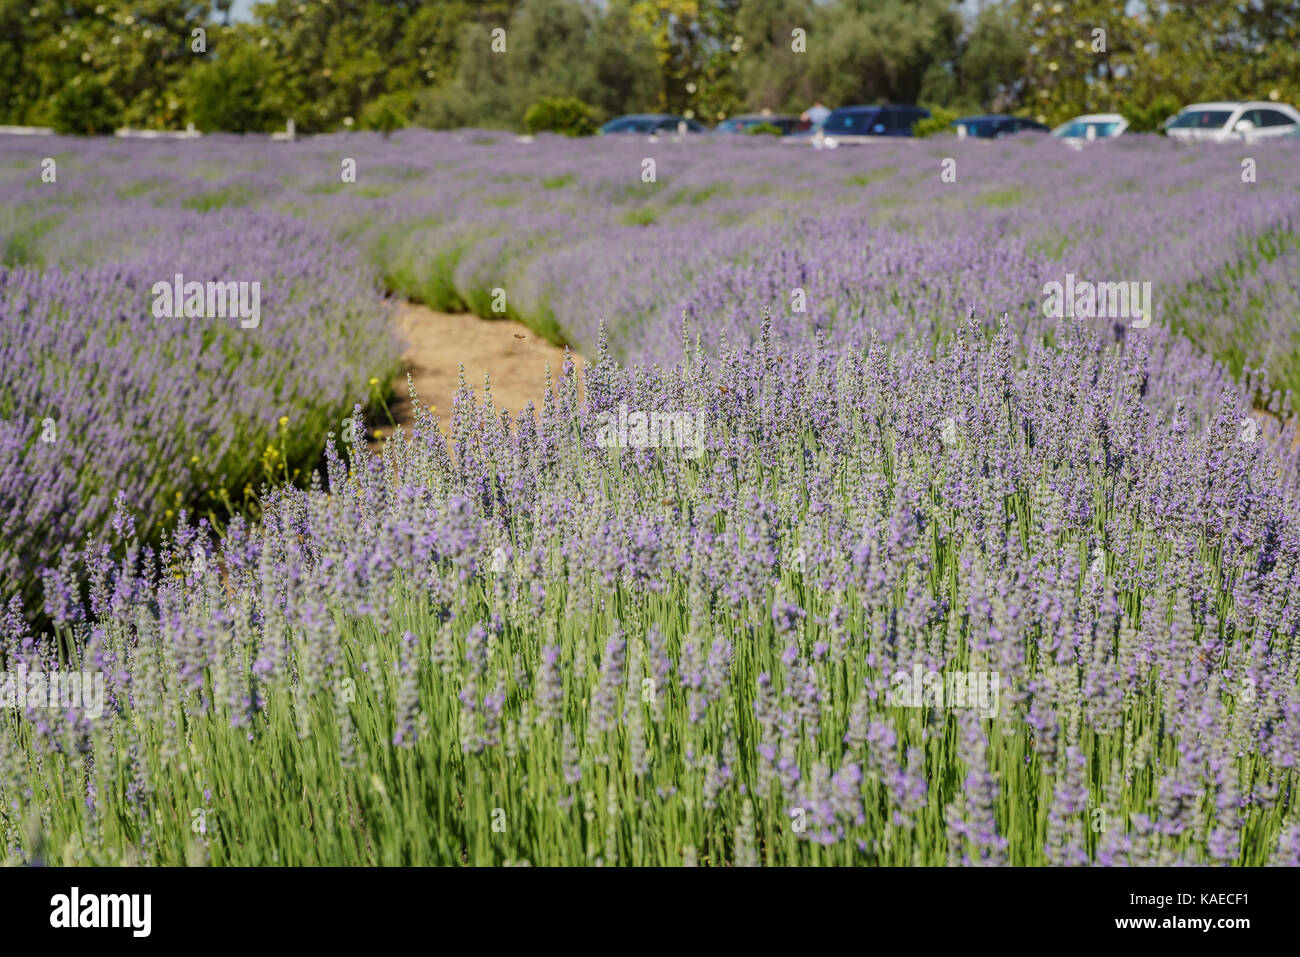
pixel 108 390
pixel 545 645
pixel 897 238
pixel 899 241
pixel 901 238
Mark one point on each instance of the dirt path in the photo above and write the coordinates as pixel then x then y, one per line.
pixel 437 343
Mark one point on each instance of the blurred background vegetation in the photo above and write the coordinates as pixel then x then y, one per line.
pixel 89 66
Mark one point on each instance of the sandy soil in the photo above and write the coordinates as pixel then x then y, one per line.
pixel 437 343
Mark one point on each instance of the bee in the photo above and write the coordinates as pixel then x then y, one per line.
pixel 518 336
pixel 722 388
pixel 667 501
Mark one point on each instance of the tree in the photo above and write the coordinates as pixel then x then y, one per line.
pixel 553 48
pixel 772 75
pixel 990 65
pixel 334 58
pixel 882 49
pixel 1080 57
pixel 697 47
pixel 480 94
pixel 229 93
pixel 85 107
pixel 389 112
pixel 625 71
pixel 137 50
pixel 379 63
pixel 1153 55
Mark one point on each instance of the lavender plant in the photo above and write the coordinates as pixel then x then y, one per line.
pixel 101 396
pixel 879 580
pixel 515 644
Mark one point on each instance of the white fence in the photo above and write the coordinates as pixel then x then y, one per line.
pixel 123 133
pixel 189 133
pixel 126 133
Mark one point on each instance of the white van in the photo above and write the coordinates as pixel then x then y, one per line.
pixel 1228 122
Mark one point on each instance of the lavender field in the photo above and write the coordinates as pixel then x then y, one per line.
pixel 846 552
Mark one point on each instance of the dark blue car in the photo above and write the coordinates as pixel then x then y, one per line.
pixel 650 124
pixel 788 125
pixel 997 125
pixel 857 124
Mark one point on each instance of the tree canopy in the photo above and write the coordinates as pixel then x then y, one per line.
pixel 87 65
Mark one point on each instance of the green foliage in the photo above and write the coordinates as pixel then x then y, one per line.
pixel 882 51
pixel 639 216
pixel 772 74
pixel 763 129
pixel 872 176
pixel 623 63
pixel 228 93
pixel 1184 51
pixel 554 49
pixel 379 65
pixel 85 107
pixel 22 242
pixel 562 114
pixel 940 120
pixel 990 67
pixel 139 50
pixel 389 112
pixel 1148 117
pixel 232 195
pixel 482 93
pixel 335 58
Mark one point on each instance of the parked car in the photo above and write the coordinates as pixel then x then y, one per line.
pixel 650 124
pixel 997 125
pixel 1091 126
pixel 786 124
pixel 861 124
pixel 1233 122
